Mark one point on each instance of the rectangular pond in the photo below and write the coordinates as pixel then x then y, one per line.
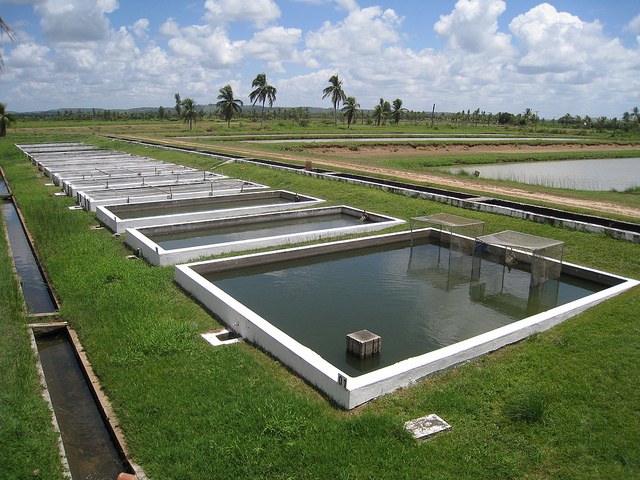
pixel 432 306
pixel 72 187
pixel 90 200
pixel 171 244
pixel 135 215
pixel 67 175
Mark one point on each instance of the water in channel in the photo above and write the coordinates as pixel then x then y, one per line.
pixel 34 287
pixel 4 190
pixel 90 451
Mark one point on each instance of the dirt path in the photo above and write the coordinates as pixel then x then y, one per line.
pixel 434 179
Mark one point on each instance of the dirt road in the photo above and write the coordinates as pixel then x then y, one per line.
pixel 446 181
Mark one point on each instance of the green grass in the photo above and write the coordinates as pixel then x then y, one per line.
pixel 28 445
pixel 430 165
pixel 562 404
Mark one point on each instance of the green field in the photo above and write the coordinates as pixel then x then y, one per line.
pixel 561 404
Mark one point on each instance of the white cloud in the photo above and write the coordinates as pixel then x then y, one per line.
pixel 75 21
pixel 348 5
pixel 153 62
pixel 473 27
pixel 140 28
pixel 634 27
pixel 275 45
pixel 363 33
pixel 260 12
pixel 74 61
pixel 558 42
pixel 121 47
pixel 27 55
pixel 170 28
pixel 184 48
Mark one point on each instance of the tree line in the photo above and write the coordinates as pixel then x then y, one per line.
pixel 344 106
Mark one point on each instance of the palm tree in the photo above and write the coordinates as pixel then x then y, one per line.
pixel 397 110
pixel 189 113
pixel 5 120
pixel 178 106
pixel 6 29
pixel 386 111
pixel 334 90
pixel 263 92
pixel 350 109
pixel 228 106
pixel 378 113
pixel 382 111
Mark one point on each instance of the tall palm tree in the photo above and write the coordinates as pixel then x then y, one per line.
pixel 189 114
pixel 227 105
pixel 334 90
pixel 263 92
pixel 386 110
pixel 178 106
pixel 397 110
pixel 378 113
pixel 4 28
pixel 350 109
pixel 5 120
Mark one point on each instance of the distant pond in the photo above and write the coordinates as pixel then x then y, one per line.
pixel 598 174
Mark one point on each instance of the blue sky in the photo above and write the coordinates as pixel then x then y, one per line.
pixel 562 56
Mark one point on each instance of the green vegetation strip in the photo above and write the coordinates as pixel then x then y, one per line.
pixel 562 404
pixel 28 445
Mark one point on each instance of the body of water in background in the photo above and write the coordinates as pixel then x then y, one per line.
pixel 598 174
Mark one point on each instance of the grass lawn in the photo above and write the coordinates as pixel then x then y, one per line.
pixel 561 404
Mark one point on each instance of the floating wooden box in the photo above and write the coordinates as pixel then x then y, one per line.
pixel 363 343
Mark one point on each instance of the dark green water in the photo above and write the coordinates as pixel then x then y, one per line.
pixel 34 287
pixel 155 210
pixel 87 443
pixel 251 230
pixel 417 299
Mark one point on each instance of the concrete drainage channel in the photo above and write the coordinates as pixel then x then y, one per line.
pixel 620 230
pixel 38 296
pixel 90 446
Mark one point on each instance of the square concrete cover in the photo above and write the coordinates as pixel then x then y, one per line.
pixel 363 336
pixel 425 426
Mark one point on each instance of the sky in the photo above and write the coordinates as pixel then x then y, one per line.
pixel 556 57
